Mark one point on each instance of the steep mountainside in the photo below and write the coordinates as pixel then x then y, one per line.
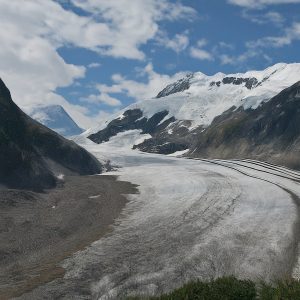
pixel 183 109
pixel 271 132
pixel 56 118
pixel 31 155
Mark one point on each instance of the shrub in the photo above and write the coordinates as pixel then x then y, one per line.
pixel 230 288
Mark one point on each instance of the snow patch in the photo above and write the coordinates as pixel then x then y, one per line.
pixel 60 176
pixel 179 153
pixel 94 197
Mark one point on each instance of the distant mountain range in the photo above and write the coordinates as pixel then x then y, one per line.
pixel 250 115
pixel 56 118
pixel 33 156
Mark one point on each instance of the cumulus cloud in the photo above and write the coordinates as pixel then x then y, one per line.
pixel 178 43
pixel 261 19
pixel 239 60
pixel 290 35
pixel 32 32
pixel 132 23
pixel 102 98
pixel 256 48
pixel 254 4
pixel 139 90
pixel 199 53
pixel 93 65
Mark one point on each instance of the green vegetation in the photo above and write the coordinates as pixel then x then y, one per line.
pixel 282 290
pixel 230 288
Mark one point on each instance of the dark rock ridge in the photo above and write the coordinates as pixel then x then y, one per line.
pixel 160 146
pixel 179 86
pixel 31 155
pixel 271 132
pixel 56 118
pixel 249 82
pixel 175 137
pixel 130 120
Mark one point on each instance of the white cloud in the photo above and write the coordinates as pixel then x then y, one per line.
pixel 290 35
pixel 178 43
pixel 200 53
pixel 239 60
pixel 225 45
pixel 260 3
pixel 257 48
pixel 102 98
pixel 32 31
pixel 131 23
pixel 139 90
pixel 94 65
pixel 261 19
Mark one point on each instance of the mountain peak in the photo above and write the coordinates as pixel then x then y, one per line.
pixel 56 118
pixel 250 80
pixel 178 86
pixel 4 93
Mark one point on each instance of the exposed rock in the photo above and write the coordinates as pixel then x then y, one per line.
pixel 130 120
pixel 249 82
pixel 157 146
pixel 166 140
pixel 179 86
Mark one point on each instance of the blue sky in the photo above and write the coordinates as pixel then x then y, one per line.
pixel 96 56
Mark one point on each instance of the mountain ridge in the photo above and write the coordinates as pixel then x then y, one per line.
pixel 190 110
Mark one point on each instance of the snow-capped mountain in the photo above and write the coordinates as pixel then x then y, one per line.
pixel 57 119
pixel 270 133
pixel 194 101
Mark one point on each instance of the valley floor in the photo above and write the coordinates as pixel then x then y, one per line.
pixel 39 230
pixel 192 219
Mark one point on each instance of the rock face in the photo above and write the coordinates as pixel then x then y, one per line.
pixel 57 119
pixel 31 155
pixel 130 120
pixel 179 86
pixel 248 82
pixel 271 132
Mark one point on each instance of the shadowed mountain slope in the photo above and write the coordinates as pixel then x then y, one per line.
pixel 31 155
pixel 271 132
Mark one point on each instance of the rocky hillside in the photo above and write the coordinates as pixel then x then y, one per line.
pixel 31 155
pixel 271 132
